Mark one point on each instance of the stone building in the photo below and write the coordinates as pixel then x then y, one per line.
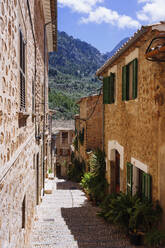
pixel 62 140
pixel 23 113
pixel 134 117
pixel 88 126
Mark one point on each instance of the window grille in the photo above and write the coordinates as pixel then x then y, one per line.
pixel 23 211
pixel 22 73
pixel 33 97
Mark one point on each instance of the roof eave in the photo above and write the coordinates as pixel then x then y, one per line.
pixel 50 15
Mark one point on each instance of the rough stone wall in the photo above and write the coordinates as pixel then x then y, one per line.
pixel 134 124
pixel 17 144
pixel 95 123
pixel 91 112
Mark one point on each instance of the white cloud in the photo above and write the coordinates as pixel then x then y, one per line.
pixel 81 6
pixel 126 21
pixel 143 1
pixel 152 11
pixel 102 14
pixel 99 14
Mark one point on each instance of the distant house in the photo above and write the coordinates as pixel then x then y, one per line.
pixel 134 117
pixel 88 126
pixel 63 138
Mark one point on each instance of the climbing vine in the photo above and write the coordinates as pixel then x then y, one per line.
pixel 81 136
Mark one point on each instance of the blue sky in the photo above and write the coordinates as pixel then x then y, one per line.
pixel 103 23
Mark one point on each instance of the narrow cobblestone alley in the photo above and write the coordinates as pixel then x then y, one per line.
pixel 65 219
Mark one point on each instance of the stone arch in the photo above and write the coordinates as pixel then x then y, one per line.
pixel 115 166
pixel 112 146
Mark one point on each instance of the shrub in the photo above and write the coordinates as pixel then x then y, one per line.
pixel 75 143
pixel 49 171
pixel 76 170
pixel 130 212
pixel 86 182
pixel 144 216
pixel 154 238
pixel 94 182
pixel 81 136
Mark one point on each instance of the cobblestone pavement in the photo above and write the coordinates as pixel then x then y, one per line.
pixel 65 219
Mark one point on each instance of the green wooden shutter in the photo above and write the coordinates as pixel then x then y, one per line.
pixel 146 186
pixel 112 87
pixel 125 83
pixel 149 187
pixel 106 90
pixel 129 178
pixel 135 78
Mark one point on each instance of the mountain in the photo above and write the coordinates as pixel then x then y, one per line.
pixel 75 57
pixel 116 48
pixel 72 73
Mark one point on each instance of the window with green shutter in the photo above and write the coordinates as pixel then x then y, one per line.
pixel 112 88
pixel 129 178
pixel 109 89
pixel 135 78
pixel 130 80
pixel 106 86
pixel 123 83
pixel 146 186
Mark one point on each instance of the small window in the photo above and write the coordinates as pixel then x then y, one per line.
pixel 22 74
pixel 34 162
pixel 141 181
pixel 23 211
pixel 109 89
pixel 33 97
pixel 129 80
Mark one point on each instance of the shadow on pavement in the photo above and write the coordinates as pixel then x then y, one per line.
pixel 91 231
pixel 67 185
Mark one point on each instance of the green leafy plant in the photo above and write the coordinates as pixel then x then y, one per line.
pixel 49 171
pixel 76 170
pixel 72 157
pixel 154 238
pixel 75 143
pixel 81 136
pixel 144 216
pixel 86 181
pixel 94 182
pixel 134 215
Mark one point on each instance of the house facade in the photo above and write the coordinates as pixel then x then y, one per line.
pixel 23 113
pixel 134 118
pixel 89 126
pixel 62 151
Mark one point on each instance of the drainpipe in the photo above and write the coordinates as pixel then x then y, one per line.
pixel 43 145
pixel 103 107
pixel 103 119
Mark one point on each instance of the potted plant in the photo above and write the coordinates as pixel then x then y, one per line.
pixel 155 238
pixel 143 216
pixel 50 174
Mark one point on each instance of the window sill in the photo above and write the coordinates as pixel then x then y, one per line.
pixel 131 100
